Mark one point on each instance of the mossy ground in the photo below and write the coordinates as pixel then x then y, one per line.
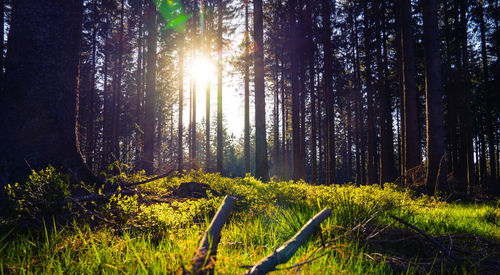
pixel 155 232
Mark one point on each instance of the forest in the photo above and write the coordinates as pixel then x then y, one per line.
pixel 249 136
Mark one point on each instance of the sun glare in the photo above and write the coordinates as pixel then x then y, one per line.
pixel 202 69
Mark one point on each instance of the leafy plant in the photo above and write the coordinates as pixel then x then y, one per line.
pixel 41 195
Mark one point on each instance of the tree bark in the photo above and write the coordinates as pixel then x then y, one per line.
pixel 207 250
pixel 411 153
pixel 288 249
pixel 180 148
pixel 246 146
pixel 151 94
pixel 261 165
pixel 220 152
pixel 314 155
pixel 371 134
pixel 436 164
pixel 39 109
pixel 330 126
pixel 296 139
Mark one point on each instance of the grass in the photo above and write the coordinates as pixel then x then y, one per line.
pixel 159 238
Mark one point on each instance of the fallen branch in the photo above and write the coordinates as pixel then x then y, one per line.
pixel 95 197
pixel 205 254
pixel 427 236
pixel 286 251
pixel 171 169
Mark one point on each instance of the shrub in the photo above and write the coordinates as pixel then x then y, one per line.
pixel 41 194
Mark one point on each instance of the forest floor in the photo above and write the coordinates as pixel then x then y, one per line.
pixel 156 228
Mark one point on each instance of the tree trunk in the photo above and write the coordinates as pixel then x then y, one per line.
pixel 295 92
pixel 371 134
pixel 246 146
pixel 140 90
pixel 465 115
pixel 490 117
pixel 39 109
pixel 180 148
pixel 261 165
pixel 385 112
pixel 2 43
pixel 330 126
pixel 91 120
pixel 276 120
pixel 220 156
pixel 151 94
pixel 436 163
pixel 106 131
pixel 314 156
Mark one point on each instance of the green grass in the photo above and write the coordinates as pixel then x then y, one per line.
pixel 159 238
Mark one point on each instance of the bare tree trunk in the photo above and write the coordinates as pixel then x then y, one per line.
pixel 91 120
pixel 314 155
pixel 466 151
pixel 436 163
pixel 261 165
pixel 180 151
pixel 247 93
pixel 488 106
pixel 295 92
pixel 140 90
pixel 371 135
pixel 107 110
pixel 411 153
pixel 2 43
pixel 385 111
pixel 276 120
pixel 39 108
pixel 220 156
pixel 151 94
pixel 330 126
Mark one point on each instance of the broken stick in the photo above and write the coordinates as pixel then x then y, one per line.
pixel 202 260
pixel 286 251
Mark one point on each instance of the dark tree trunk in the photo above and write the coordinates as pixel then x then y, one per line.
pixel 294 53
pixel 314 156
pixel 2 26
pixel 486 85
pixel 436 162
pixel 276 120
pixel 151 95
pixel 411 153
pixel 261 165
pixel 371 134
pixel 465 115
pixel 39 109
pixel 107 110
pixel 118 89
pixel 452 89
pixel 490 118
pixel 284 116
pixel 208 154
pixel 140 90
pixel 328 90
pixel 386 173
pixel 220 156
pixel 91 138
pixel 180 150
pixel 246 145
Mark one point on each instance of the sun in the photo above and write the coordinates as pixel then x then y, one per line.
pixel 202 69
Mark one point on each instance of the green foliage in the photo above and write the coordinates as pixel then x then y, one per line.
pixel 120 208
pixel 40 195
pixel 166 230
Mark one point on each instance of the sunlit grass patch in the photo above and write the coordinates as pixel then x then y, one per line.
pixel 160 236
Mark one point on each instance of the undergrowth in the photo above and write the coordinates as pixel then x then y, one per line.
pixel 152 231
